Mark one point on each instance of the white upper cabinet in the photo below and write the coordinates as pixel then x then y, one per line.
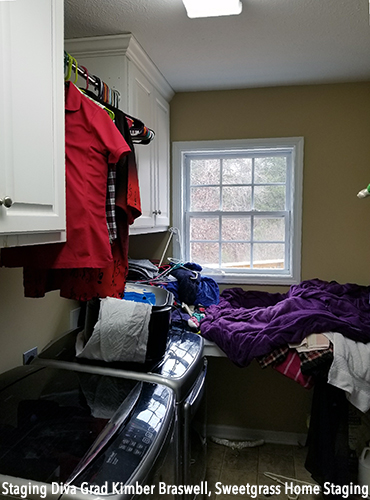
pixel 145 94
pixel 162 152
pixel 32 165
pixel 140 105
pixel 147 104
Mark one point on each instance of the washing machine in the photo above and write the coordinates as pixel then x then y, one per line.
pixel 72 434
pixel 182 368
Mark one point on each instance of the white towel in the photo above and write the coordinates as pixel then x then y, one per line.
pixel 350 369
pixel 120 334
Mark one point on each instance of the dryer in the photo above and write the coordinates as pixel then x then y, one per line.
pixel 183 369
pixel 70 434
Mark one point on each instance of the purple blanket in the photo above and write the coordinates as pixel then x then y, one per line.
pixel 247 324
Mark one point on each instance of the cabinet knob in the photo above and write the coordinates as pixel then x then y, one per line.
pixel 6 201
pixel 155 212
pixel 159 212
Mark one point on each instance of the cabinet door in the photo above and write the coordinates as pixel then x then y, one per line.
pixel 32 167
pixel 141 106
pixel 162 149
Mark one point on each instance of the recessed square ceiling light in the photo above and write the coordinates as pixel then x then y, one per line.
pixel 212 8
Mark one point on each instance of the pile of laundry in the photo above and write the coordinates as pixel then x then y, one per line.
pixel 193 292
pixel 141 270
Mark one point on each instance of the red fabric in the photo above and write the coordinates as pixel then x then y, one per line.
pixel 291 367
pixel 85 283
pixel 92 141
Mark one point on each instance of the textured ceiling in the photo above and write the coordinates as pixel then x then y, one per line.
pixel 272 42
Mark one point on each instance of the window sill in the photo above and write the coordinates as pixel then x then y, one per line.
pixel 210 349
pixel 232 279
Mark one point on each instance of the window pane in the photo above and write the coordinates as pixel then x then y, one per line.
pixel 269 255
pixel 236 199
pixel 204 228
pixel 236 229
pixel 204 253
pixel 204 199
pixel 236 255
pixel 270 169
pixel 266 229
pixel 269 198
pixel 237 171
pixel 204 172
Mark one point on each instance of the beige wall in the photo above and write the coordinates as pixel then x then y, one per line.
pixel 25 322
pixel 252 398
pixel 335 123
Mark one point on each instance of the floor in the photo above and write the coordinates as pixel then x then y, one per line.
pixel 240 467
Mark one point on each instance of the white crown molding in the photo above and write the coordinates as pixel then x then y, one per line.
pixel 120 45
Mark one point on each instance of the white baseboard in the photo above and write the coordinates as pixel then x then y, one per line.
pixel 243 434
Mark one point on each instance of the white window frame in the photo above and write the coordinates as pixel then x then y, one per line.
pixel 180 152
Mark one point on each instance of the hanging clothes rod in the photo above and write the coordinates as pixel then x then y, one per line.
pixel 140 134
pixel 83 72
pixel 71 64
pixel 110 96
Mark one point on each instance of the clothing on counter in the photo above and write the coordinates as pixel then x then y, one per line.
pixel 208 292
pixel 304 367
pixel 291 368
pixel 313 342
pixel 188 279
pixel 191 287
pixel 246 325
pixel 273 358
pixel 350 369
pixel 313 362
pixel 142 269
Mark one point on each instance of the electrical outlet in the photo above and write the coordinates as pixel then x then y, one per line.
pixel 29 355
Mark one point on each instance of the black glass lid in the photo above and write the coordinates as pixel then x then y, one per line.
pixel 51 417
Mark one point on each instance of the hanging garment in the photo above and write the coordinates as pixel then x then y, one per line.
pixel 85 283
pixel 350 371
pixel 127 184
pixel 92 142
pixel 328 456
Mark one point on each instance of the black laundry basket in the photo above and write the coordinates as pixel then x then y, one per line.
pixel 159 322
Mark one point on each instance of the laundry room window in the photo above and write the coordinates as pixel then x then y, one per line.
pixel 237 206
